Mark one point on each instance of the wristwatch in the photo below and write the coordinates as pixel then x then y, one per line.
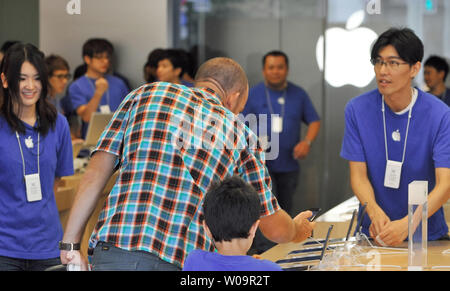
pixel 69 246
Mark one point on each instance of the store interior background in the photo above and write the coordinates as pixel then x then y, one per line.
pixel 243 30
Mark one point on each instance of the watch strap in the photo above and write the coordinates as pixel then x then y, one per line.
pixel 69 246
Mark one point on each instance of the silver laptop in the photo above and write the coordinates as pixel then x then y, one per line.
pixel 97 125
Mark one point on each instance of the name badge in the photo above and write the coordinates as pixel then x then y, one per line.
pixel 277 124
pixel 393 174
pixel 105 109
pixel 33 187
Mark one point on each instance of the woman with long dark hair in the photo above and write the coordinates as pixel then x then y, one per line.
pixel 35 151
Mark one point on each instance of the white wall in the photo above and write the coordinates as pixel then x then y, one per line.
pixel 135 27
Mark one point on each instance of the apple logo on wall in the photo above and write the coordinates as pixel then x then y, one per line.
pixel 348 53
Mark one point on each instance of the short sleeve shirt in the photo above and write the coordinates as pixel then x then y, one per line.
pixel 32 230
pixel 427 148
pixel 172 142
pixel 296 109
pixel 82 90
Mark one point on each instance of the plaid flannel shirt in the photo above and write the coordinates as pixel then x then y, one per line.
pixel 172 142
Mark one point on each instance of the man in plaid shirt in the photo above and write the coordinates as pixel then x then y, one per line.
pixel 169 143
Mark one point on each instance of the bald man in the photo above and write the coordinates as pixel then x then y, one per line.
pixel 169 143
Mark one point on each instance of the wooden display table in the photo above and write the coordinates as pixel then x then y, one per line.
pixel 369 258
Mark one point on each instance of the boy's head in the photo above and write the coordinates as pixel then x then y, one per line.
pixel 171 66
pixel 97 54
pixel 231 210
pixel 436 71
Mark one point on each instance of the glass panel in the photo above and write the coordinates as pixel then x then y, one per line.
pixel 246 29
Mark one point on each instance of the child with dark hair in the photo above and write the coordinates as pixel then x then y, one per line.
pixel 435 73
pixel 171 67
pixel 35 151
pixel 231 218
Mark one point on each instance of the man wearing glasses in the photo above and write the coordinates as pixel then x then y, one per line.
pixel 58 76
pixel 395 135
pixel 96 91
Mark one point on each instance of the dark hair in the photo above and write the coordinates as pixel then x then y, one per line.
pixel 95 46
pixel 152 63
pixel 7 44
pixel 408 46
pixel 55 63
pixel 79 71
pixel 11 68
pixel 154 57
pixel 440 64
pixel 230 209
pixel 176 58
pixel 275 54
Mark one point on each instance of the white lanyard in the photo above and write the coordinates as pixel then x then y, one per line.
pixel 385 134
pixel 283 102
pixel 21 153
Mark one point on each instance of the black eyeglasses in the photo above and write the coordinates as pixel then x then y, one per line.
pixel 63 76
pixel 391 64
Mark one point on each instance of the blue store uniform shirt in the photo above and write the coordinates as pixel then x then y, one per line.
pixel 428 148
pixel 83 89
pixel 298 108
pixel 32 230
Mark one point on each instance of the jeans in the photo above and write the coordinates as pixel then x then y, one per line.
pixel 12 264
pixel 107 257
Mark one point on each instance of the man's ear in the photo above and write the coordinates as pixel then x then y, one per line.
pixel 441 75
pixel 4 81
pixel 254 228
pixel 232 101
pixel 87 60
pixel 208 232
pixel 415 69
pixel 178 73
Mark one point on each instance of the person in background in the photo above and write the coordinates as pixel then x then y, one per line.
pixel 167 159
pixel 231 211
pixel 395 135
pixel 151 65
pixel 276 95
pixel 171 67
pixel 436 72
pixel 58 77
pixel 292 105
pixel 5 46
pixel 96 91
pixel 35 151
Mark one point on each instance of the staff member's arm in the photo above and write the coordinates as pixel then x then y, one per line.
pixel 302 149
pixel 97 174
pixel 363 190
pixel 396 232
pixel 85 111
